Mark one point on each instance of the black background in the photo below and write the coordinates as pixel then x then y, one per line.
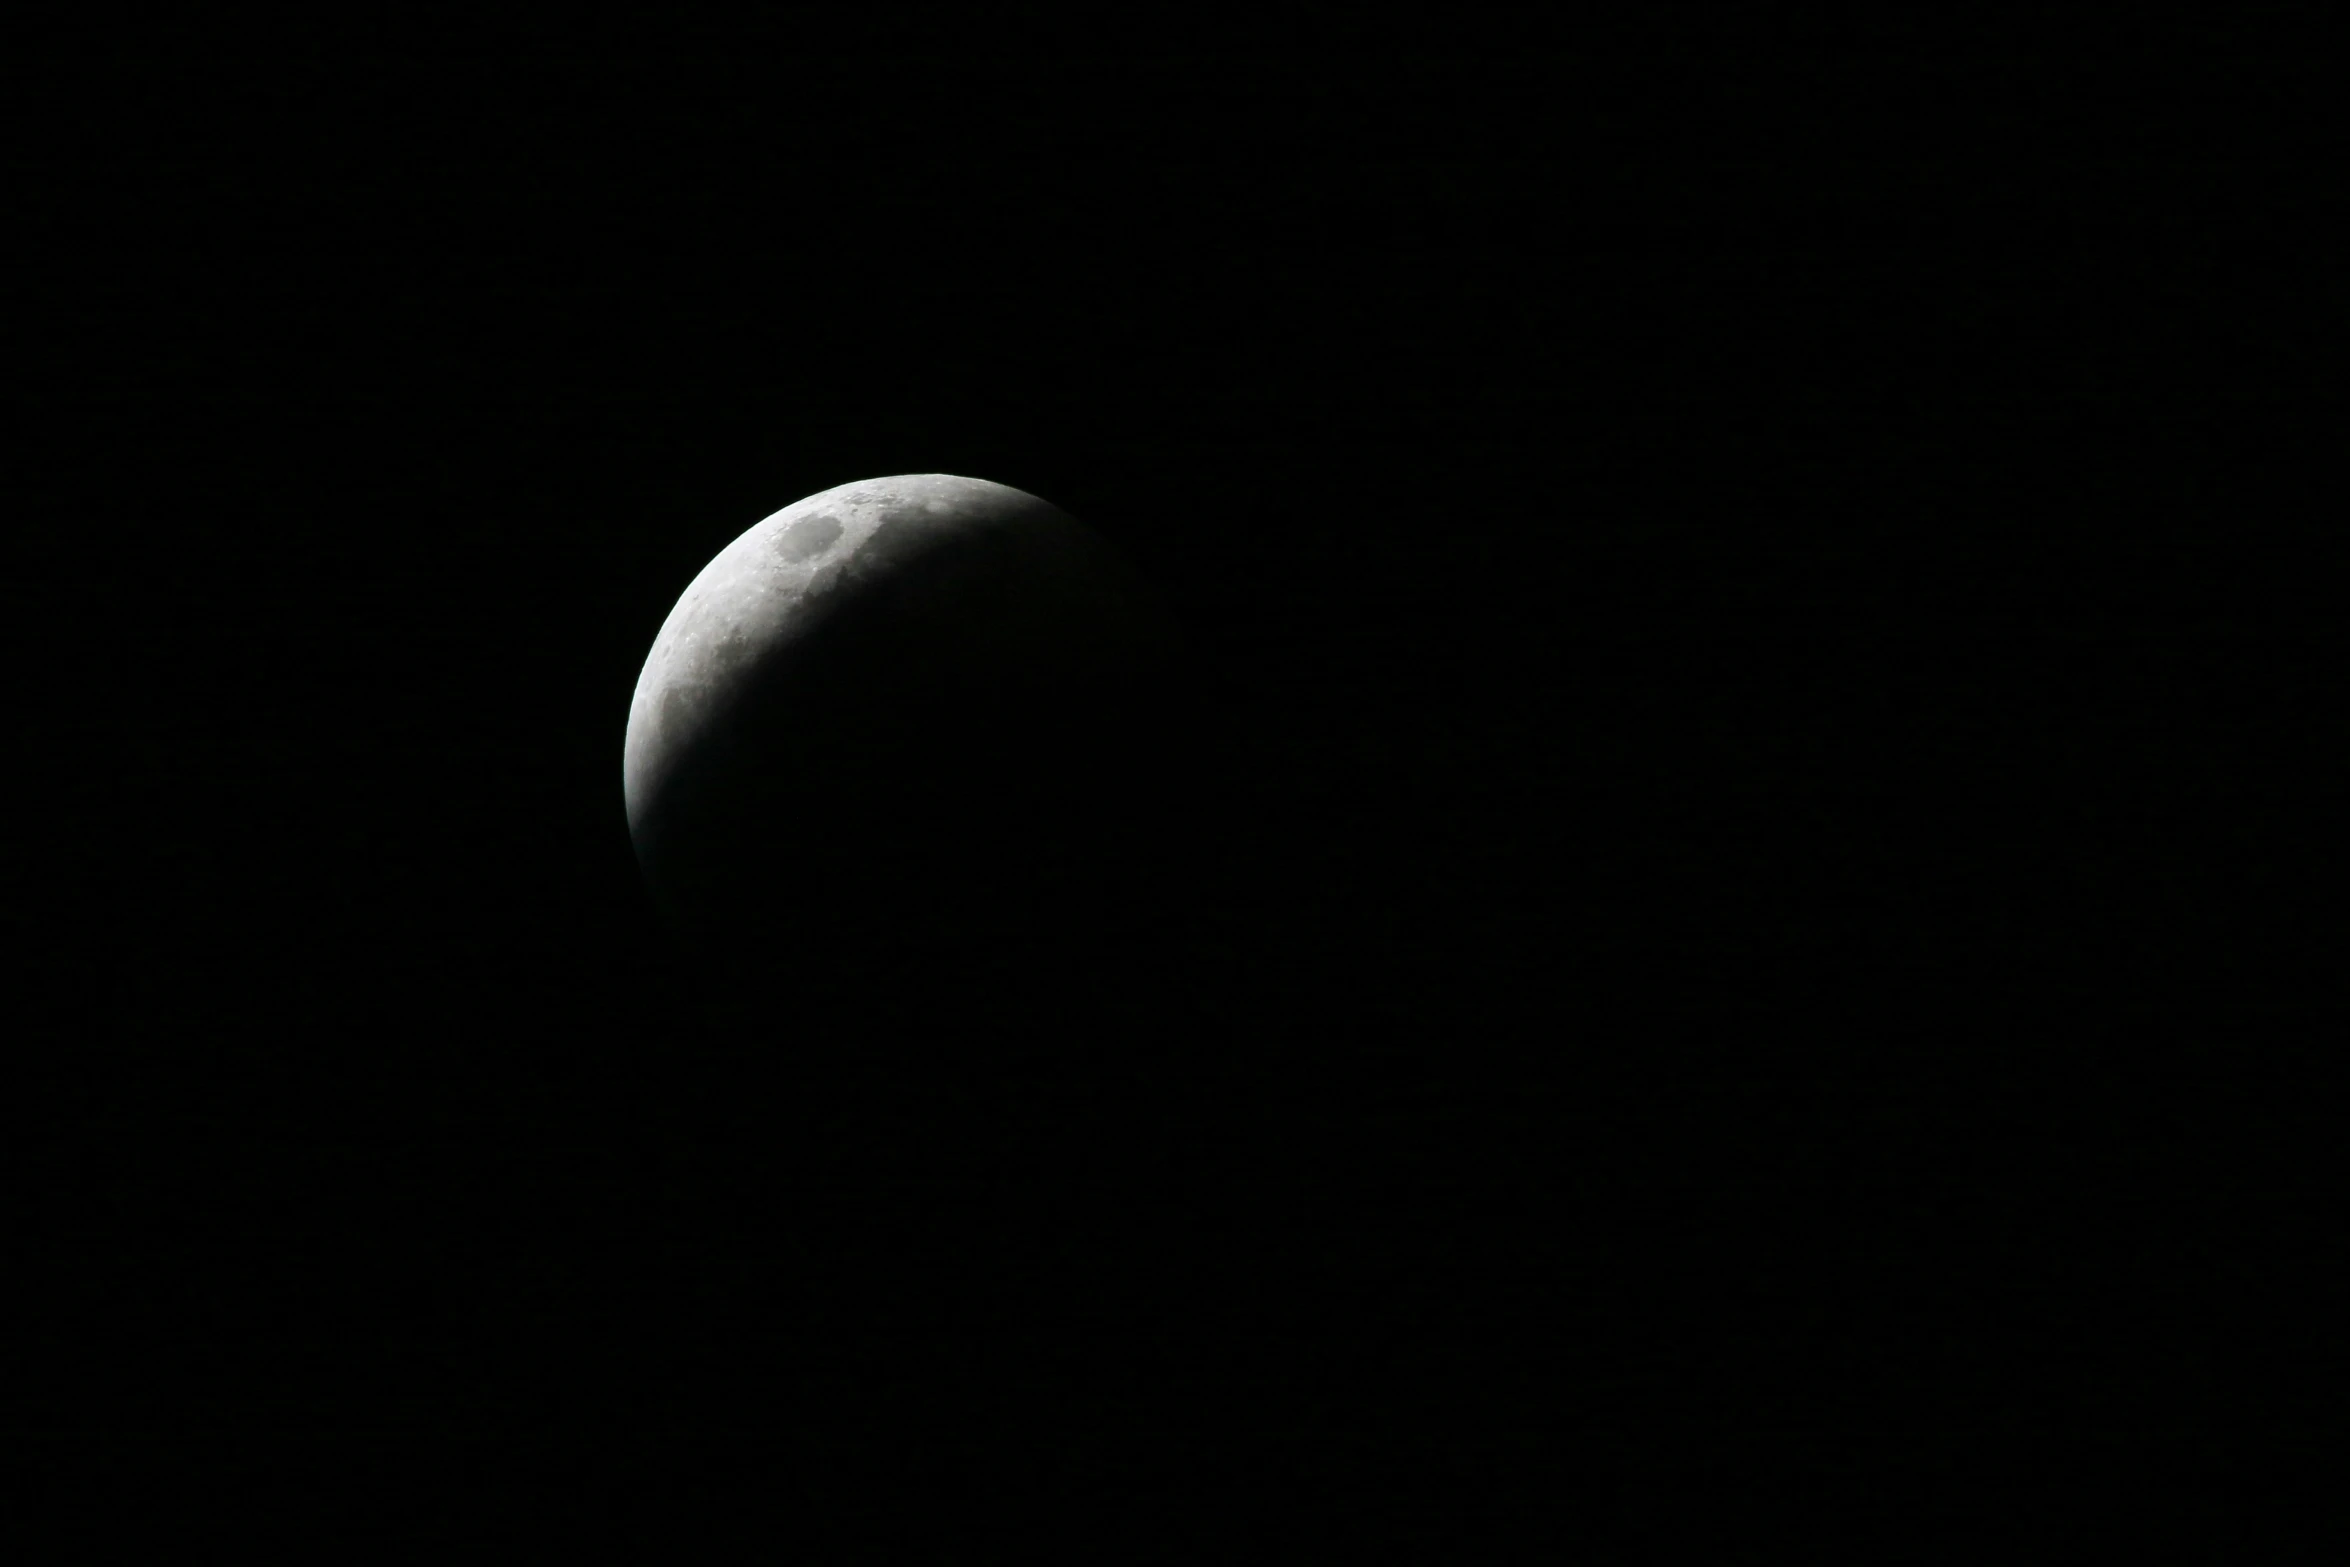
pixel 1761 963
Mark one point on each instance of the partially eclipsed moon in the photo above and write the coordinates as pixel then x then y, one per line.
pixel 919 718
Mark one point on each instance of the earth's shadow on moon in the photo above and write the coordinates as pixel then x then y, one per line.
pixel 937 917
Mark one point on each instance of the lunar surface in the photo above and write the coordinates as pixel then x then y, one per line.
pixel 903 754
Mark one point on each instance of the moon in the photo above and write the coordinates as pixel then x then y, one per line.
pixel 900 754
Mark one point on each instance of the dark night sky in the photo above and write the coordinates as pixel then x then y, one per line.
pixel 1753 590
